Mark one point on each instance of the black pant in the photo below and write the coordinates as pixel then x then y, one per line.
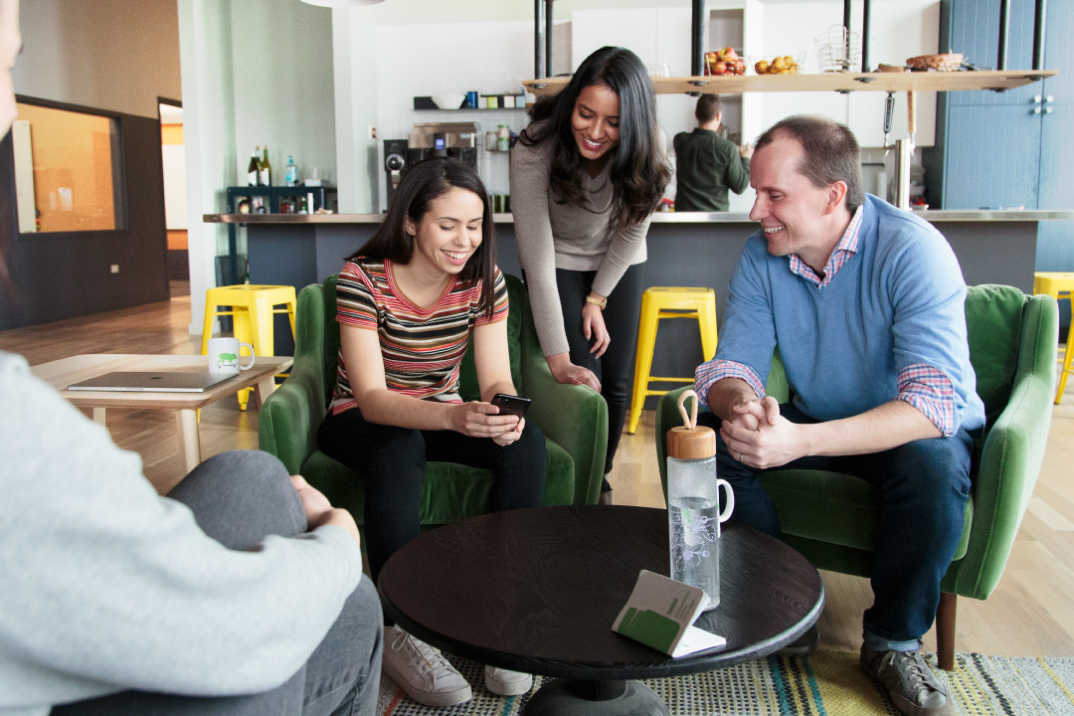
pixel 391 461
pixel 615 368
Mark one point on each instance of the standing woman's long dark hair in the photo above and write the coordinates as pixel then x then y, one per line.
pixel 639 171
pixel 421 184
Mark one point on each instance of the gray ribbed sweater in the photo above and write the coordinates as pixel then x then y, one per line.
pixel 105 585
pixel 552 235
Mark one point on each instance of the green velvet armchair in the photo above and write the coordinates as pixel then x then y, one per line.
pixel 831 517
pixel 574 419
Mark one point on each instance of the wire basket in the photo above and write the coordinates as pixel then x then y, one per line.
pixel 838 49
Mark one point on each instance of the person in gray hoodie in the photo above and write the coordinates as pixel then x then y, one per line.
pixel 239 593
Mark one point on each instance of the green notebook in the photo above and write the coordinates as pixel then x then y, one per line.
pixel 660 613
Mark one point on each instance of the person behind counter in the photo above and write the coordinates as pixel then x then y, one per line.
pixel 706 164
pixel 586 175
pixel 408 302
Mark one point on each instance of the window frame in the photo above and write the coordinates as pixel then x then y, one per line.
pixel 119 174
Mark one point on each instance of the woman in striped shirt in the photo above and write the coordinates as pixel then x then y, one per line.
pixel 408 303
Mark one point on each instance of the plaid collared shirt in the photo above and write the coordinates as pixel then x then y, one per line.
pixel 847 247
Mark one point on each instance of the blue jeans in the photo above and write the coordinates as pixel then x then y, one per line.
pixel 923 486
pixel 238 498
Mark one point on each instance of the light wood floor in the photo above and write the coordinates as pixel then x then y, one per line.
pixel 1029 614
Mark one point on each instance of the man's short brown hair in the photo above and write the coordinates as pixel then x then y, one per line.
pixel 708 106
pixel 831 153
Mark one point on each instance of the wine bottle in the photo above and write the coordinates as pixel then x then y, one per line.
pixel 266 168
pixel 253 168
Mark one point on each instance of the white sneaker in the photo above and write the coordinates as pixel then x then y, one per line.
pixel 422 671
pixel 506 682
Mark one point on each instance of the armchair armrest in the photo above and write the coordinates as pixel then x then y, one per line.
pixel 1011 456
pixel 289 419
pixel 575 418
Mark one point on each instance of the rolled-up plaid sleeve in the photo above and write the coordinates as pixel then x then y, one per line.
pixel 716 369
pixel 930 391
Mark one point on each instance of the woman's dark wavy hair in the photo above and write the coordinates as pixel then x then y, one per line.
pixel 422 183
pixel 638 171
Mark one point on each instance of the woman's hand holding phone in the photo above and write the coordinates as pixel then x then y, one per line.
pixel 506 438
pixel 478 419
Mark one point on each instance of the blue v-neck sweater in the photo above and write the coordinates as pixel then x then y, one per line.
pixel 897 302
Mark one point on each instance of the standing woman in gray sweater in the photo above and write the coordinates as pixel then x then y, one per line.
pixel 586 175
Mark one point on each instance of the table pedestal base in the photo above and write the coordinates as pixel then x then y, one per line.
pixel 595 698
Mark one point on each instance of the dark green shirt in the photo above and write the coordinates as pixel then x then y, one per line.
pixel 706 166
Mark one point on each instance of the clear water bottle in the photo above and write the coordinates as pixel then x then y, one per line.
pixel 694 514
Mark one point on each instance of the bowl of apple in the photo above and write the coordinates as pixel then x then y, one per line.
pixel 725 61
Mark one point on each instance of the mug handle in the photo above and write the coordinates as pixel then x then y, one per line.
pixel 249 365
pixel 729 503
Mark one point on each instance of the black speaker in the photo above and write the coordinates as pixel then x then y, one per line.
pixel 395 164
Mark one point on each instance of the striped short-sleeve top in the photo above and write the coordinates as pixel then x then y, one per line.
pixel 421 348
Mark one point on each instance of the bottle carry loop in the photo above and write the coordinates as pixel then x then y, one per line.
pixel 689 421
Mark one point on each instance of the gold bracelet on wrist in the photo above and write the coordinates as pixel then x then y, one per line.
pixel 601 302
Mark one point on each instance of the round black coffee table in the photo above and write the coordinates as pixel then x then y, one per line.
pixel 537 590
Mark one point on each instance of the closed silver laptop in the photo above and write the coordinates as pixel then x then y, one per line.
pixel 151 381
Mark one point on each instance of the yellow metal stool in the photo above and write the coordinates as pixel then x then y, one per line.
pixel 1059 284
pixel 668 302
pixel 252 308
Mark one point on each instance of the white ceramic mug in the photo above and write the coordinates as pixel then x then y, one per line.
pixel 224 357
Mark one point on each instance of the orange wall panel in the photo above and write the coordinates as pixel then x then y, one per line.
pixel 171 134
pixel 177 239
pixel 72 160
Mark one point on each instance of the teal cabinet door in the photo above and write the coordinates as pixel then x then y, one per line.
pixel 992 157
pixel 971 27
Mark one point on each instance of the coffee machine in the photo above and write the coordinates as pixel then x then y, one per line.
pixel 395 164
pixel 443 139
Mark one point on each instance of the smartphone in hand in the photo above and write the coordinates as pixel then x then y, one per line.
pixel 511 404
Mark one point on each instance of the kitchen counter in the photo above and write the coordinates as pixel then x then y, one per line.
pixel 684 249
pixel 662 217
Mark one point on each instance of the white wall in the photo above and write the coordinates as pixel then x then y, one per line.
pixel 355 77
pixel 489 57
pixel 899 29
pixel 173 157
pixel 281 59
pixel 118 55
pixel 254 72
pixel 208 136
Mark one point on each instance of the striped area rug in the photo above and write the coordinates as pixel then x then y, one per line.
pixel 827 683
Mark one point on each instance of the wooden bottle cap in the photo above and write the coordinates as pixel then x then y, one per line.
pixel 688 441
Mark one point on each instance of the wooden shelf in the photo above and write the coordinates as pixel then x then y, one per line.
pixel 828 82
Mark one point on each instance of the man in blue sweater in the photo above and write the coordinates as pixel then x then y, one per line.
pixel 866 306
